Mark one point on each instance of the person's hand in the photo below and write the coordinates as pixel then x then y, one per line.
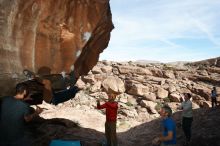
pixel 38 110
pixel 156 141
pixel 179 107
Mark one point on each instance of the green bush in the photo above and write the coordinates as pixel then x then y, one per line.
pixel 158 106
pixel 129 104
pixel 166 99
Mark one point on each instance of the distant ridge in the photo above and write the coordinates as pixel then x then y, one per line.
pixel 207 62
pixel 211 62
pixel 147 61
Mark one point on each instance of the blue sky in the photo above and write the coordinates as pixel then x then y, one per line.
pixel 164 30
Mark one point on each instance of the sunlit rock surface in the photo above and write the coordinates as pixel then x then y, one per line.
pixel 50 36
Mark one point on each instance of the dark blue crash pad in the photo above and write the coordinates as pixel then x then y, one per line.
pixel 64 143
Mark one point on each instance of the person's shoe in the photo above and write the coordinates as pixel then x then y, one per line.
pixel 186 143
pixel 29 74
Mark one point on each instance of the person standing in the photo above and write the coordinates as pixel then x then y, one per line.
pixel 187 117
pixel 13 117
pixel 214 97
pixel 168 135
pixel 111 117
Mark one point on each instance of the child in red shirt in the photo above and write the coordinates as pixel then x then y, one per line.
pixel 111 117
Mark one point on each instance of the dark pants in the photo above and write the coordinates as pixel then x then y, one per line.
pixel 64 95
pixel 110 133
pixel 186 125
pixel 214 101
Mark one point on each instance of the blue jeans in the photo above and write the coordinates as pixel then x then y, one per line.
pixel 64 95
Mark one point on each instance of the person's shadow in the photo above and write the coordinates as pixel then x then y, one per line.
pixel 205 131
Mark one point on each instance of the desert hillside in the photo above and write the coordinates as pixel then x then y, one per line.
pixel 144 88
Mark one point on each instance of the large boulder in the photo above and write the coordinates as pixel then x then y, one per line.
pixel 50 37
pixel 174 97
pixel 138 89
pixel 113 84
pixel 162 93
pixel 150 105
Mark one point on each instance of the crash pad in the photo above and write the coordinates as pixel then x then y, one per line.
pixel 64 143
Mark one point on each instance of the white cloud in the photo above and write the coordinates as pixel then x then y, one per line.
pixel 204 29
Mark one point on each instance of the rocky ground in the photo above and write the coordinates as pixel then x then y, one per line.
pixel 144 88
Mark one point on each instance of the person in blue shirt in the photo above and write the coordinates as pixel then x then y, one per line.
pixel 168 135
pixel 14 115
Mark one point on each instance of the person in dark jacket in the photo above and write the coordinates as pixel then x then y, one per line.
pixel 41 89
pixel 214 97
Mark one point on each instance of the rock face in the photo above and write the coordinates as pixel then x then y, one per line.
pixel 53 35
pixel 146 86
pixel 141 97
